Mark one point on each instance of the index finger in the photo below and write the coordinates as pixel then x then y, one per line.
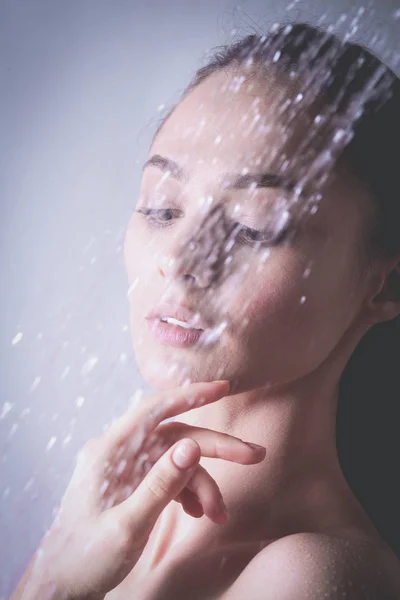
pixel 164 405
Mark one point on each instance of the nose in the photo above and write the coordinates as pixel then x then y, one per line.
pixel 176 266
pixel 200 259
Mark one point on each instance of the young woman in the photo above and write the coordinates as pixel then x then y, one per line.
pixel 264 245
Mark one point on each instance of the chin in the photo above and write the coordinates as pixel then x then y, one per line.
pixel 157 372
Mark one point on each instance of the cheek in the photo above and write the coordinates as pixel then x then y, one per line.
pixel 268 289
pixel 137 254
pixel 272 299
pixel 290 323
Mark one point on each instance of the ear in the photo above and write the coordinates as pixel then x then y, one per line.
pixel 384 304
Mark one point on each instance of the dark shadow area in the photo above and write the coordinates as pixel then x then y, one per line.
pixel 367 431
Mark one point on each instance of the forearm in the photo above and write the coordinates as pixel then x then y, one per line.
pixel 37 583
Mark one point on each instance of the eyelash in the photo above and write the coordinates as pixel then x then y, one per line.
pixel 149 215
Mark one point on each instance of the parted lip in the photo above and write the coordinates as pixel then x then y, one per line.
pixel 182 313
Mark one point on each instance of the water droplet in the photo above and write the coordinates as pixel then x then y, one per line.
pixel 17 338
pixel 303 300
pixel 65 372
pixel 266 255
pixel 172 369
pixel 132 287
pixel 13 429
pixel 245 322
pixel 51 443
pixel 66 440
pixel 215 333
pixel 339 135
pixel 104 487
pixel 137 397
pixel 35 383
pixel 298 98
pixel 121 466
pixel 7 406
pixel 89 364
pixel 277 56
pixel 80 401
pixel 29 484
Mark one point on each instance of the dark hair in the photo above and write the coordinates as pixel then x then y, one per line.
pixel 359 97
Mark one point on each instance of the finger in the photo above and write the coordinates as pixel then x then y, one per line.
pixel 208 494
pixel 164 482
pixel 214 444
pixel 164 405
pixel 190 503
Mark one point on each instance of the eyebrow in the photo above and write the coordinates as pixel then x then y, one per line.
pixel 238 182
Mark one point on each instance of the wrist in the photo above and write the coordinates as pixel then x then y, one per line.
pixel 37 582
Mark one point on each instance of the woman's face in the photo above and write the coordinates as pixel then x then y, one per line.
pixel 284 306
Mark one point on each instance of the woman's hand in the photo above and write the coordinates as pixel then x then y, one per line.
pixel 124 479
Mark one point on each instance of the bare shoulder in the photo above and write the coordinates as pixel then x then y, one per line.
pixel 315 565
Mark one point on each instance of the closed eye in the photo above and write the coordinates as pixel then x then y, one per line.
pixel 158 217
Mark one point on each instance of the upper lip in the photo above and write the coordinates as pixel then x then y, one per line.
pixel 181 313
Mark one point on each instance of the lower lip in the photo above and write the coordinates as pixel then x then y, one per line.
pixel 173 335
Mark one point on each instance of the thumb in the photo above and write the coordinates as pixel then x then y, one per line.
pixel 163 483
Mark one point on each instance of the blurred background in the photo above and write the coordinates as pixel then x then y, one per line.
pixel 83 86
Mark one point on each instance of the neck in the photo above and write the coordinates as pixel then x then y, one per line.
pixel 300 479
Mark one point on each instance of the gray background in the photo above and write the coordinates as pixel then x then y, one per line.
pixel 82 82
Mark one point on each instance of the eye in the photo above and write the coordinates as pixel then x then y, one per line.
pixel 266 237
pixel 162 217
pixel 157 217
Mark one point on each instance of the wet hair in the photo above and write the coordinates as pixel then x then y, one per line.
pixel 360 99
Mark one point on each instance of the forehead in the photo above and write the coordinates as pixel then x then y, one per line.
pixel 232 120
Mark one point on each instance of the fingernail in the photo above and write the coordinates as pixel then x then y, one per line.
pixel 227 383
pixel 185 454
pixel 254 446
